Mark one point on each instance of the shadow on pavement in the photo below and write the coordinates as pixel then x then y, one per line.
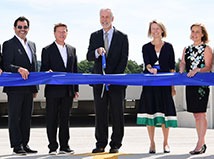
pixel 109 156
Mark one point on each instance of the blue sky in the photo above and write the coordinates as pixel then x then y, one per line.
pixel 131 16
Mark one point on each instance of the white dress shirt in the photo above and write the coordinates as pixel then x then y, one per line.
pixel 26 47
pixel 63 53
pixel 157 62
pixel 110 35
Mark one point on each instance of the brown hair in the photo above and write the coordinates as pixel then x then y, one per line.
pixel 205 38
pixel 163 28
pixel 60 25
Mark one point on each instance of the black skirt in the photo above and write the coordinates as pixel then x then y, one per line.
pixel 157 107
pixel 197 98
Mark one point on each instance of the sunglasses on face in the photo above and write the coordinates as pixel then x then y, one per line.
pixel 24 27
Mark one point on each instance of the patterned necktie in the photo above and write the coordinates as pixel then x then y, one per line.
pixel 106 42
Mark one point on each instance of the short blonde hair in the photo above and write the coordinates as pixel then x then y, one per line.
pixel 205 38
pixel 163 28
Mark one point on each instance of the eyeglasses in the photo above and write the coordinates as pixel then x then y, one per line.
pixel 24 27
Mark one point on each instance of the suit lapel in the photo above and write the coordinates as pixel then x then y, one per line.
pixel 70 59
pixel 32 50
pixel 100 37
pixel 21 49
pixel 113 42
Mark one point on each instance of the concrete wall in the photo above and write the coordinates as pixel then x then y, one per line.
pixel 133 93
pixel 186 119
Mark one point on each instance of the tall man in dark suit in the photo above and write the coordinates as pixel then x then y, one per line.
pixel 19 56
pixel 59 57
pixel 115 46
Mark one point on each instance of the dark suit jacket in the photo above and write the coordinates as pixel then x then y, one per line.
pixel 52 60
pixel 15 56
pixel 117 55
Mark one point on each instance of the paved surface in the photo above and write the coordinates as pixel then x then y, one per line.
pixel 135 144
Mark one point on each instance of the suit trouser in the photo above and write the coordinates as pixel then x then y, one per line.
pixel 115 99
pixel 58 111
pixel 19 117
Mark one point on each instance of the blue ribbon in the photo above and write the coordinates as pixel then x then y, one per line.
pixel 157 67
pixel 104 66
pixel 160 79
pixel 103 60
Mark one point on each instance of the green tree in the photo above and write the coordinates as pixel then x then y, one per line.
pixel 39 65
pixel 85 66
pixel 133 67
pixel 177 65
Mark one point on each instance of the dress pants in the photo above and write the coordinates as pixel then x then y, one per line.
pixel 19 117
pixel 57 113
pixel 112 100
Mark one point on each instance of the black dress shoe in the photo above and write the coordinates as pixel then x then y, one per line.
pixel 66 151
pixel 166 149
pixel 203 150
pixel 152 151
pixel 114 150
pixel 28 150
pixel 19 151
pixel 98 150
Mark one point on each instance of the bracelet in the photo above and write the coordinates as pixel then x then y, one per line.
pixel 149 68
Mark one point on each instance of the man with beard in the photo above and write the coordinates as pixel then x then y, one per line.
pixel 114 44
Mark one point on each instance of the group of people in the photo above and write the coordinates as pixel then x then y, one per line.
pixel 19 56
pixel 156 108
